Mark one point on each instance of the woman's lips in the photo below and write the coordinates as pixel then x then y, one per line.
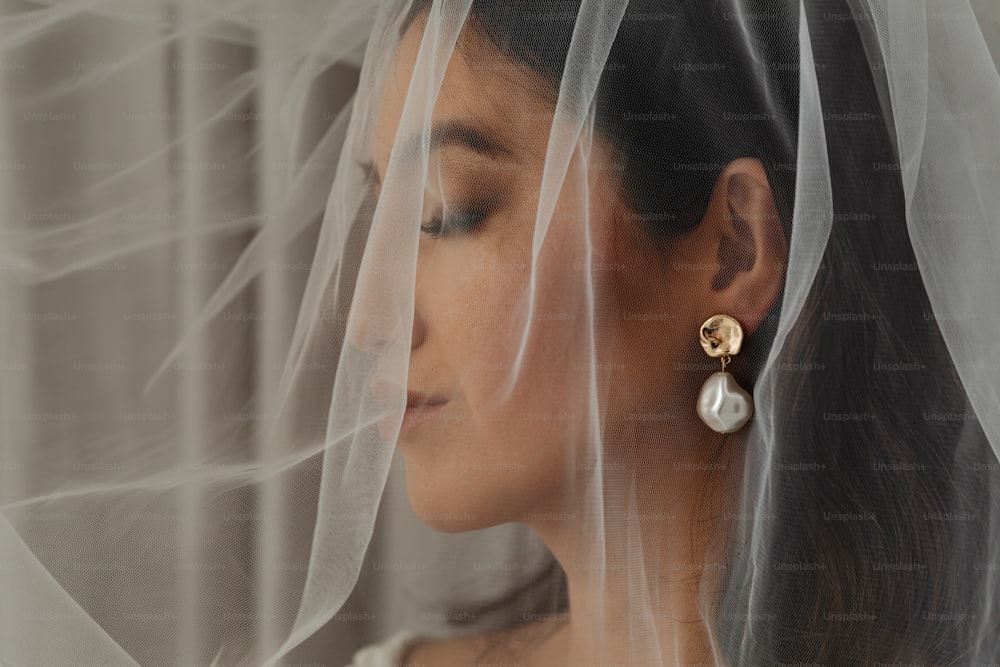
pixel 412 417
pixel 418 414
pixel 419 407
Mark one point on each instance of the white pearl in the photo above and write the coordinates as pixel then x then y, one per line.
pixel 723 404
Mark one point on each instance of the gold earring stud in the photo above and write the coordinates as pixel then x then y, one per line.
pixel 723 404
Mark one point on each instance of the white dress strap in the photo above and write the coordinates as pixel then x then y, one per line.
pixel 388 653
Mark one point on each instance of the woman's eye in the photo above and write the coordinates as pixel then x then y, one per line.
pixel 456 223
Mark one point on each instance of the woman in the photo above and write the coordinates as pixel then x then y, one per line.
pixel 820 545
pixel 681 315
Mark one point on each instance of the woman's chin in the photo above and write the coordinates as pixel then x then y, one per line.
pixel 449 508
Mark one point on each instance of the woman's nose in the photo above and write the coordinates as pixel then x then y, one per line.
pixel 385 306
pixel 369 328
pixel 375 323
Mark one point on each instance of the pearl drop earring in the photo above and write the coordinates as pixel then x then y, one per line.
pixel 722 403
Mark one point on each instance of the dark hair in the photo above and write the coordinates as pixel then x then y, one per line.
pixel 826 364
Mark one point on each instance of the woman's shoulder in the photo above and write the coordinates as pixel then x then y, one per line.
pixel 442 652
pixel 407 648
pixel 390 652
pixel 412 649
pixel 499 645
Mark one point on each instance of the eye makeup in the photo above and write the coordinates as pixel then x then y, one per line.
pixel 448 221
pixel 460 221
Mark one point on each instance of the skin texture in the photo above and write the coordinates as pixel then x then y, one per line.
pixel 515 448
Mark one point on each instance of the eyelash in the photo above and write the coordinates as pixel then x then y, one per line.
pixel 472 216
pixel 468 219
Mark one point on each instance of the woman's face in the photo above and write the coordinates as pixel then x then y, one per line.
pixel 510 438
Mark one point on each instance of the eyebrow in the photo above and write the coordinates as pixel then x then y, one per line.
pixel 460 133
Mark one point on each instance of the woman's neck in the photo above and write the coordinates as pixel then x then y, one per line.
pixel 646 598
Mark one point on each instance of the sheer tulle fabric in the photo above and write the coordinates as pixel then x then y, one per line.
pixel 222 277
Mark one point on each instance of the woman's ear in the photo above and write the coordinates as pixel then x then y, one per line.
pixel 741 238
